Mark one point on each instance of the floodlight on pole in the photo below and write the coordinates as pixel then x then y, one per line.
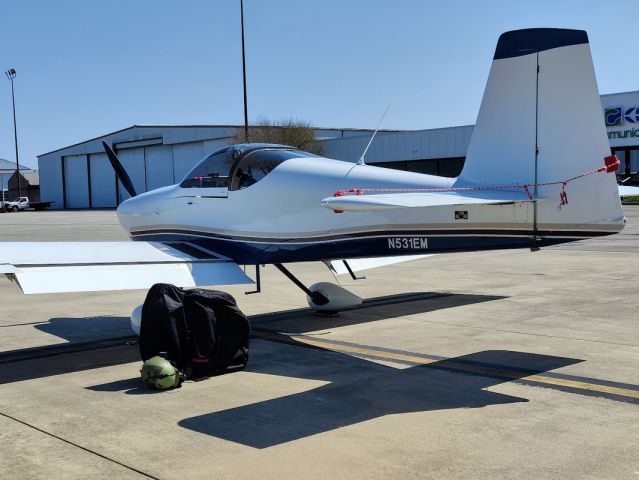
pixel 11 74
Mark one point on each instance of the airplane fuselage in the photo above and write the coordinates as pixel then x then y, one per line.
pixel 281 219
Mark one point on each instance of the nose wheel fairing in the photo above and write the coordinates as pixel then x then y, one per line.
pixel 324 296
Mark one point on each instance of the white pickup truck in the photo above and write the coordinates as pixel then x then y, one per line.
pixel 22 203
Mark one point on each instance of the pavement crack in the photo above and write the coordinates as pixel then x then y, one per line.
pixel 22 324
pixel 86 449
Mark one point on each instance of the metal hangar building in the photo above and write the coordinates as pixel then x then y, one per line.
pixel 80 175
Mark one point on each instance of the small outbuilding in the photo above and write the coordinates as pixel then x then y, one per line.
pixel 29 185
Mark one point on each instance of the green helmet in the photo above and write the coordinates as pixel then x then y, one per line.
pixel 158 372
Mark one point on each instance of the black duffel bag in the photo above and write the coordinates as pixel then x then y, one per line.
pixel 203 332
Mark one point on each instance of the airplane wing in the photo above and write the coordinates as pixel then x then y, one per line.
pixel 625 191
pixel 56 267
pixel 388 201
pixel 360 264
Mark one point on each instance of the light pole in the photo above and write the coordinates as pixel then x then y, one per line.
pixel 11 74
pixel 244 72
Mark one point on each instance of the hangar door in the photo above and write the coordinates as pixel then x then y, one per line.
pixel 133 162
pixel 76 184
pixel 102 181
pixel 159 166
pixel 185 156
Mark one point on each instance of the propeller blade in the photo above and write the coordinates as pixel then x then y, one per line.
pixel 119 170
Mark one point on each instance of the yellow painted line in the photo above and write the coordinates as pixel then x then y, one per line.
pixel 451 364
pixel 364 351
pixel 593 387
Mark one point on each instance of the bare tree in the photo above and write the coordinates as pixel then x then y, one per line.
pixel 296 133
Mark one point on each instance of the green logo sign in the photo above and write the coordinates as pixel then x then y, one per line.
pixel 613 116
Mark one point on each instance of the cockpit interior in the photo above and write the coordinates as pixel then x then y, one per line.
pixel 239 166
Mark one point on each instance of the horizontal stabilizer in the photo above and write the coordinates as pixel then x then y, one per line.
pixel 625 191
pixel 360 264
pixel 388 201
pixel 57 267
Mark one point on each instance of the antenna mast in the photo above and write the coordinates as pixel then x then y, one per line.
pixel 360 161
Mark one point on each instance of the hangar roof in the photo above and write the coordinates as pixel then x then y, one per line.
pixel 226 131
pixel 619 93
pixel 31 176
pixel 6 166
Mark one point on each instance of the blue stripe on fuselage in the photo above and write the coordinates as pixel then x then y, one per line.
pixel 250 252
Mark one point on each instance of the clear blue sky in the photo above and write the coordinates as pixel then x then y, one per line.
pixel 86 68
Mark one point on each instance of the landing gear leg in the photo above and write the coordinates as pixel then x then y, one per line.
pixel 317 297
pixel 258 282
pixel 350 271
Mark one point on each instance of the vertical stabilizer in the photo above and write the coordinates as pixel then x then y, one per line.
pixel 540 121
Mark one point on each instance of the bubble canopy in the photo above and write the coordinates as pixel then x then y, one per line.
pixel 239 166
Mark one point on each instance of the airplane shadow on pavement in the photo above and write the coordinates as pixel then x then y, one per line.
pixel 376 308
pixel 357 390
pixel 87 328
pixel 361 390
pixel 93 342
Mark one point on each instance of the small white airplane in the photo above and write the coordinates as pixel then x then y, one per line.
pixel 538 172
